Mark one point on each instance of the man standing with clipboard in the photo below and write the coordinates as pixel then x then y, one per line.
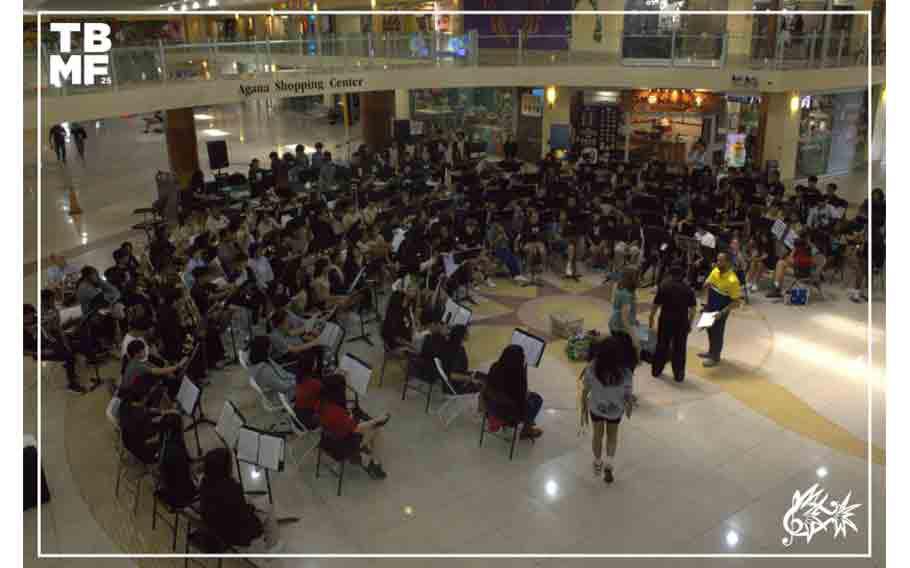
pixel 724 292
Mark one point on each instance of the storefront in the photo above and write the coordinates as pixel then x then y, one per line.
pixel 672 34
pixel 666 123
pixel 485 114
pixel 833 137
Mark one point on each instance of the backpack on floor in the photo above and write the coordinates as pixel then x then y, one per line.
pixel 798 296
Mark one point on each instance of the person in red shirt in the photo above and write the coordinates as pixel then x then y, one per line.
pixel 337 422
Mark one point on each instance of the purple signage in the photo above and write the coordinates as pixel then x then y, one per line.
pixel 543 31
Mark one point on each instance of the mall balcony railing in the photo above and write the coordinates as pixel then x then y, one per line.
pixel 131 67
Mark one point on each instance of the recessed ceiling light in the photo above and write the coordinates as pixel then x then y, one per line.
pixel 732 538
pixel 184 7
pixel 213 2
pixel 215 133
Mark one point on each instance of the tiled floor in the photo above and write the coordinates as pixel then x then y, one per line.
pixel 699 464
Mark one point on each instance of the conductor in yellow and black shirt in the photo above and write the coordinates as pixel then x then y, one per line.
pixel 724 292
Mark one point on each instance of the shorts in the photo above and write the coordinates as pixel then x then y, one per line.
pixel 596 418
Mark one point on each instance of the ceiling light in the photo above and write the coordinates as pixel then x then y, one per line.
pixel 822 472
pixel 195 5
pixel 184 7
pixel 215 133
pixel 170 8
pixel 552 488
pixel 732 538
pixel 213 2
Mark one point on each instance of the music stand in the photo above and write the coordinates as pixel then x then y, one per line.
pixel 364 335
pixel 260 449
pixel 189 402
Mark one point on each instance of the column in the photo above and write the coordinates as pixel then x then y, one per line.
pixel 402 104
pixel 781 133
pixel 182 148
pixel 377 109
pixel 598 33
pixel 739 33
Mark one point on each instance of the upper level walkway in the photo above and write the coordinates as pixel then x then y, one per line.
pixel 162 76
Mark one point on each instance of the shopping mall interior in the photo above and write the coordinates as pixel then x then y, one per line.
pixel 365 211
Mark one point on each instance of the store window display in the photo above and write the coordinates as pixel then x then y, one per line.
pixel 833 134
pixel 487 115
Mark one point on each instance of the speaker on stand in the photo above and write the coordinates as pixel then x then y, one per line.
pixel 218 157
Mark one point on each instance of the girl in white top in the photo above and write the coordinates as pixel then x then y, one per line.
pixel 604 395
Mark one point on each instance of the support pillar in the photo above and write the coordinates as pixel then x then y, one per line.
pixel 781 133
pixel 182 148
pixel 402 104
pixel 377 109
pixel 739 33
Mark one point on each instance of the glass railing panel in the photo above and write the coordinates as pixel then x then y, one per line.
pixel 647 47
pixel 698 49
pixel 140 65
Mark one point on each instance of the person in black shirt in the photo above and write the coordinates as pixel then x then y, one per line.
pixel 510 149
pixel 79 136
pixel 454 359
pixel 55 345
pixel 178 489
pixel 532 239
pixel 140 423
pixel 596 241
pixel 225 511
pixel 58 141
pixel 323 234
pixel 206 296
pixel 676 303
pixel 120 276
pixel 161 251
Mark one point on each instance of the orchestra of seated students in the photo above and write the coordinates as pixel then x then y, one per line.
pixel 173 309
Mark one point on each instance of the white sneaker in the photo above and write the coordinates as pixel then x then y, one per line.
pixel 753 288
pixel 521 278
pixel 490 283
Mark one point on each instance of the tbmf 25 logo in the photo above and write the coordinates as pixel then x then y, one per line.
pixel 84 68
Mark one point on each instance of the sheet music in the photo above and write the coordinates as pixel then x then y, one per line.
pixel 706 320
pixel 187 396
pixel 329 335
pixel 357 280
pixel 248 445
pixel 397 239
pixel 778 229
pixel 70 314
pixel 790 239
pixel 456 314
pixel 359 373
pixel 229 425
pixel 532 345
pixel 271 452
pixel 448 262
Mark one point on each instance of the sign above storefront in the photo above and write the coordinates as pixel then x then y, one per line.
pixel 671 100
pixel 282 88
